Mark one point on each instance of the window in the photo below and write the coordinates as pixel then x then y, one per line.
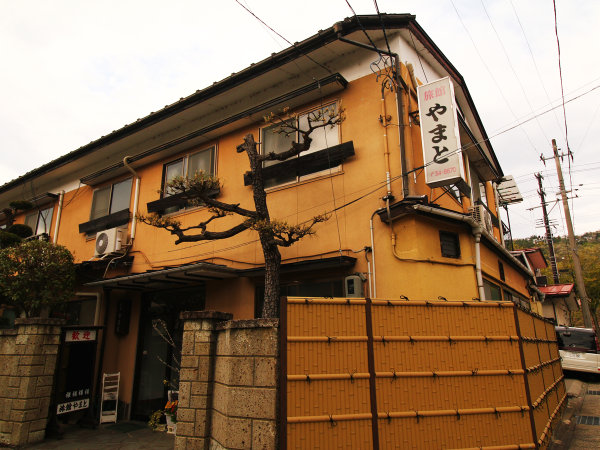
pixel 111 199
pixel 501 270
pixel 40 221
pixel 187 166
pixel 274 142
pixel 449 244
pixel 491 291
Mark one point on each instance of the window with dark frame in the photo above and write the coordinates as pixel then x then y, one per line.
pixel 501 270
pixel 111 199
pixel 40 221
pixel 449 244
pixel 187 166
pixel 274 142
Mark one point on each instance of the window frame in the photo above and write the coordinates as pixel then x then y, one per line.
pixel 38 214
pixel 110 198
pixel 296 137
pixel 446 235
pixel 185 160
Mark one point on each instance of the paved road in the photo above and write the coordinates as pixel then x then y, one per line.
pixel 123 436
pixel 580 427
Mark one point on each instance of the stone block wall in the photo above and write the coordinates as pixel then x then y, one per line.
pixel 228 383
pixel 28 357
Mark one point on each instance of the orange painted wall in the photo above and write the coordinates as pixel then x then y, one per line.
pixel 348 229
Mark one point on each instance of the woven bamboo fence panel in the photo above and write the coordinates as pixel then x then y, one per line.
pixel 419 374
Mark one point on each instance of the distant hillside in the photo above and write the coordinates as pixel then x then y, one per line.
pixel 588 248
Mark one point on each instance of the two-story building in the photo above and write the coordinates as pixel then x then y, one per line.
pixel 403 222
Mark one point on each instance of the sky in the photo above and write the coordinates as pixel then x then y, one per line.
pixel 74 71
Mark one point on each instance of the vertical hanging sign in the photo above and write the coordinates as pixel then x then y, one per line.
pixel 439 133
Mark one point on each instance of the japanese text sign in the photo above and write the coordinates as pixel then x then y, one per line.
pixel 439 133
pixel 80 335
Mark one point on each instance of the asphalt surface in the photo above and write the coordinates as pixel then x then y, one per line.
pixel 580 423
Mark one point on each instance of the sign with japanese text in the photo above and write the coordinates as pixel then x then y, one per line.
pixel 75 405
pixel 439 133
pixel 80 335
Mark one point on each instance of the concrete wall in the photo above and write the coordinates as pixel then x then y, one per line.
pixel 27 365
pixel 228 383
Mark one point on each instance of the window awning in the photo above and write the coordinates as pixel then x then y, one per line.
pixel 169 278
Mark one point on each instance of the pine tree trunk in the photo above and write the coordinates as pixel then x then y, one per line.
pixel 267 241
pixel 272 287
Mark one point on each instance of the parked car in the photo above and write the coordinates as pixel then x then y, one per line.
pixel 578 348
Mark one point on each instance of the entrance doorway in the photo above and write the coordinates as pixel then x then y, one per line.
pixel 159 346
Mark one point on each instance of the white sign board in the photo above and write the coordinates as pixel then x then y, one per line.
pixel 439 134
pixel 80 335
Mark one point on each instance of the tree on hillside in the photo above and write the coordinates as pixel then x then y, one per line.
pixel 272 233
pixel 35 274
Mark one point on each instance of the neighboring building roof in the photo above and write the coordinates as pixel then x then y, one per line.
pixel 534 256
pixel 557 290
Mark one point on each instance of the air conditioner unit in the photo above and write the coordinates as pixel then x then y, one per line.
pixel 108 241
pixel 481 215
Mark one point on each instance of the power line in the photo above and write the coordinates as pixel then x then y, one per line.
pixel 490 73
pixel 537 70
pixel 513 69
pixel 282 37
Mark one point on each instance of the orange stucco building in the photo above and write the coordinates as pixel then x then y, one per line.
pixel 390 234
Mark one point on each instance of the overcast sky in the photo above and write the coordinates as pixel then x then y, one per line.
pixel 74 71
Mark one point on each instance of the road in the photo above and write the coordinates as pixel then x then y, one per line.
pixel 580 426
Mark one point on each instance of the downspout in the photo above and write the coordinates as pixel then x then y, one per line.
pixel 61 199
pixel 399 82
pixel 136 197
pixel 477 234
pixel 374 290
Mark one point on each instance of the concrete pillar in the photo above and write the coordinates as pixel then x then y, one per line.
pixel 196 378
pixel 28 357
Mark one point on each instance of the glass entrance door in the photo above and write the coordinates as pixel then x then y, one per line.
pixel 159 347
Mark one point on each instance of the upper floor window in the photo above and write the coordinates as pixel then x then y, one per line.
pixel 187 166
pixel 273 141
pixel 111 199
pixel 40 221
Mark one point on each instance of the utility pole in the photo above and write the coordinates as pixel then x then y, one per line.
pixel 548 231
pixel 581 292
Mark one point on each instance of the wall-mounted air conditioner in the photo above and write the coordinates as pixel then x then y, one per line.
pixel 481 215
pixel 108 241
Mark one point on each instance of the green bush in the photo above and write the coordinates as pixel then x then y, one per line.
pixel 8 239
pixel 35 274
pixel 20 230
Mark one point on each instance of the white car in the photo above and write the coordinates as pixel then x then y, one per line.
pixel 578 348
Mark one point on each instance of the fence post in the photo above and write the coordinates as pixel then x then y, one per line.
pixel 525 380
pixel 372 376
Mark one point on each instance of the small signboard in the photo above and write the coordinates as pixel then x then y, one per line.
pixel 75 405
pixel 439 134
pixel 83 335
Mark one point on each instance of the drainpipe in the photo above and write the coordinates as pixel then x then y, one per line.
pixel 136 197
pixel 480 289
pixel 61 199
pixel 374 283
pixel 386 149
pixel 399 82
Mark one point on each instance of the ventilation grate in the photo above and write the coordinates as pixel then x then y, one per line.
pixel 588 420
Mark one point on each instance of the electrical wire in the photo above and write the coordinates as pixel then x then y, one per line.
pixel 512 67
pixel 282 37
pixel 490 73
